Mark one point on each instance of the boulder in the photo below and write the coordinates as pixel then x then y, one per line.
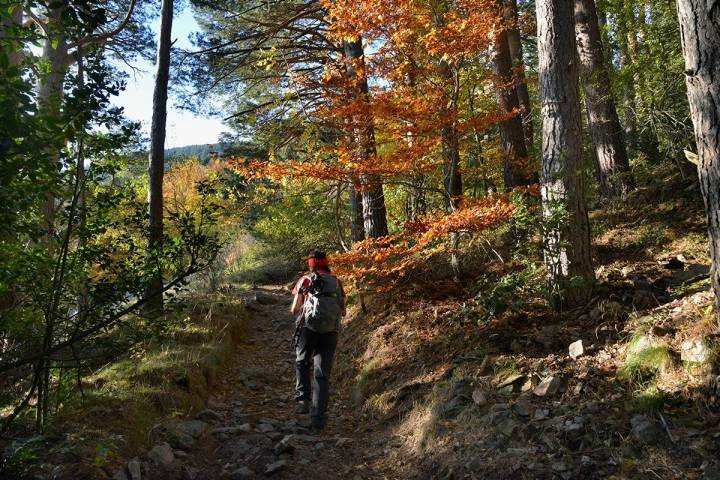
pixel 507 427
pixel 641 343
pixel 645 430
pixel 522 408
pixel 134 469
pixel 193 428
pixel 209 416
pixel 478 396
pixel 695 351
pixel 181 440
pixel 549 386
pixel 275 467
pixel 512 384
pixel 284 446
pixel 265 427
pixel 242 472
pixel 541 414
pixel 162 454
pixel 512 380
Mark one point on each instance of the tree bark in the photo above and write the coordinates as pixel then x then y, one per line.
pixel 416 202
pixel 156 169
pixel 510 14
pixel 700 37
pixel 8 26
pixel 516 168
pixel 357 225
pixel 449 141
pixel 373 197
pixel 50 91
pixel 627 40
pixel 567 236
pixel 613 168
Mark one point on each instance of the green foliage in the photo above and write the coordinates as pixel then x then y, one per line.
pixel 510 291
pixel 525 278
pixel 284 232
pixel 73 260
pixel 20 456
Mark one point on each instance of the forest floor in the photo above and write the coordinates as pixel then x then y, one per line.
pixel 250 427
pixel 428 384
pixel 624 387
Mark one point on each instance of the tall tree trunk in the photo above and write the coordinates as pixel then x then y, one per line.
pixel 357 225
pixel 700 36
pixel 450 152
pixel 450 146
pixel 516 169
pixel 510 14
pixel 373 198
pixel 156 169
pixel 613 168
pixel 50 91
pixel 416 203
pixel 449 141
pixel 567 237
pixel 627 40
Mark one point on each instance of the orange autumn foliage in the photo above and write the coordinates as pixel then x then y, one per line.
pixel 383 263
pixel 410 100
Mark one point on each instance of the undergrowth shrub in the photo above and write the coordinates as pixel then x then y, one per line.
pixel 509 291
pixel 646 359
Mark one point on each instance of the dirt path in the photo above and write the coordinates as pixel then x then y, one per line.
pixel 256 429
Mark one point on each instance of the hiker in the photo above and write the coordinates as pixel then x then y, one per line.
pixel 318 306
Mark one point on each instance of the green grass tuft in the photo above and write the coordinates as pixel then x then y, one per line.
pixel 646 363
pixel 646 359
pixel 362 379
pixel 650 398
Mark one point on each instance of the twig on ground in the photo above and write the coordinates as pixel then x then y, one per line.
pixel 667 429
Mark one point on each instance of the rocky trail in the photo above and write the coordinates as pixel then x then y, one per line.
pixel 250 428
pixel 546 407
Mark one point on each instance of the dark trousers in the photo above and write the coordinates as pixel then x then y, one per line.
pixel 320 347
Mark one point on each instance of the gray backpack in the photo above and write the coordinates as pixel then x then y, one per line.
pixel 322 304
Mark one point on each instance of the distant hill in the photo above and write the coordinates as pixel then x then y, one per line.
pixel 202 152
pixel 205 151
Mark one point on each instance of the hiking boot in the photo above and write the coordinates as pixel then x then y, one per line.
pixel 302 407
pixel 316 426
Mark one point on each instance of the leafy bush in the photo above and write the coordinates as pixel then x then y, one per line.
pixel 510 291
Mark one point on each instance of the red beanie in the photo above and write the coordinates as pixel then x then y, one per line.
pixel 318 262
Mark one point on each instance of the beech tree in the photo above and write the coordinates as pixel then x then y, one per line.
pixel 700 36
pixel 567 233
pixel 613 168
pixel 156 167
pixel 373 198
